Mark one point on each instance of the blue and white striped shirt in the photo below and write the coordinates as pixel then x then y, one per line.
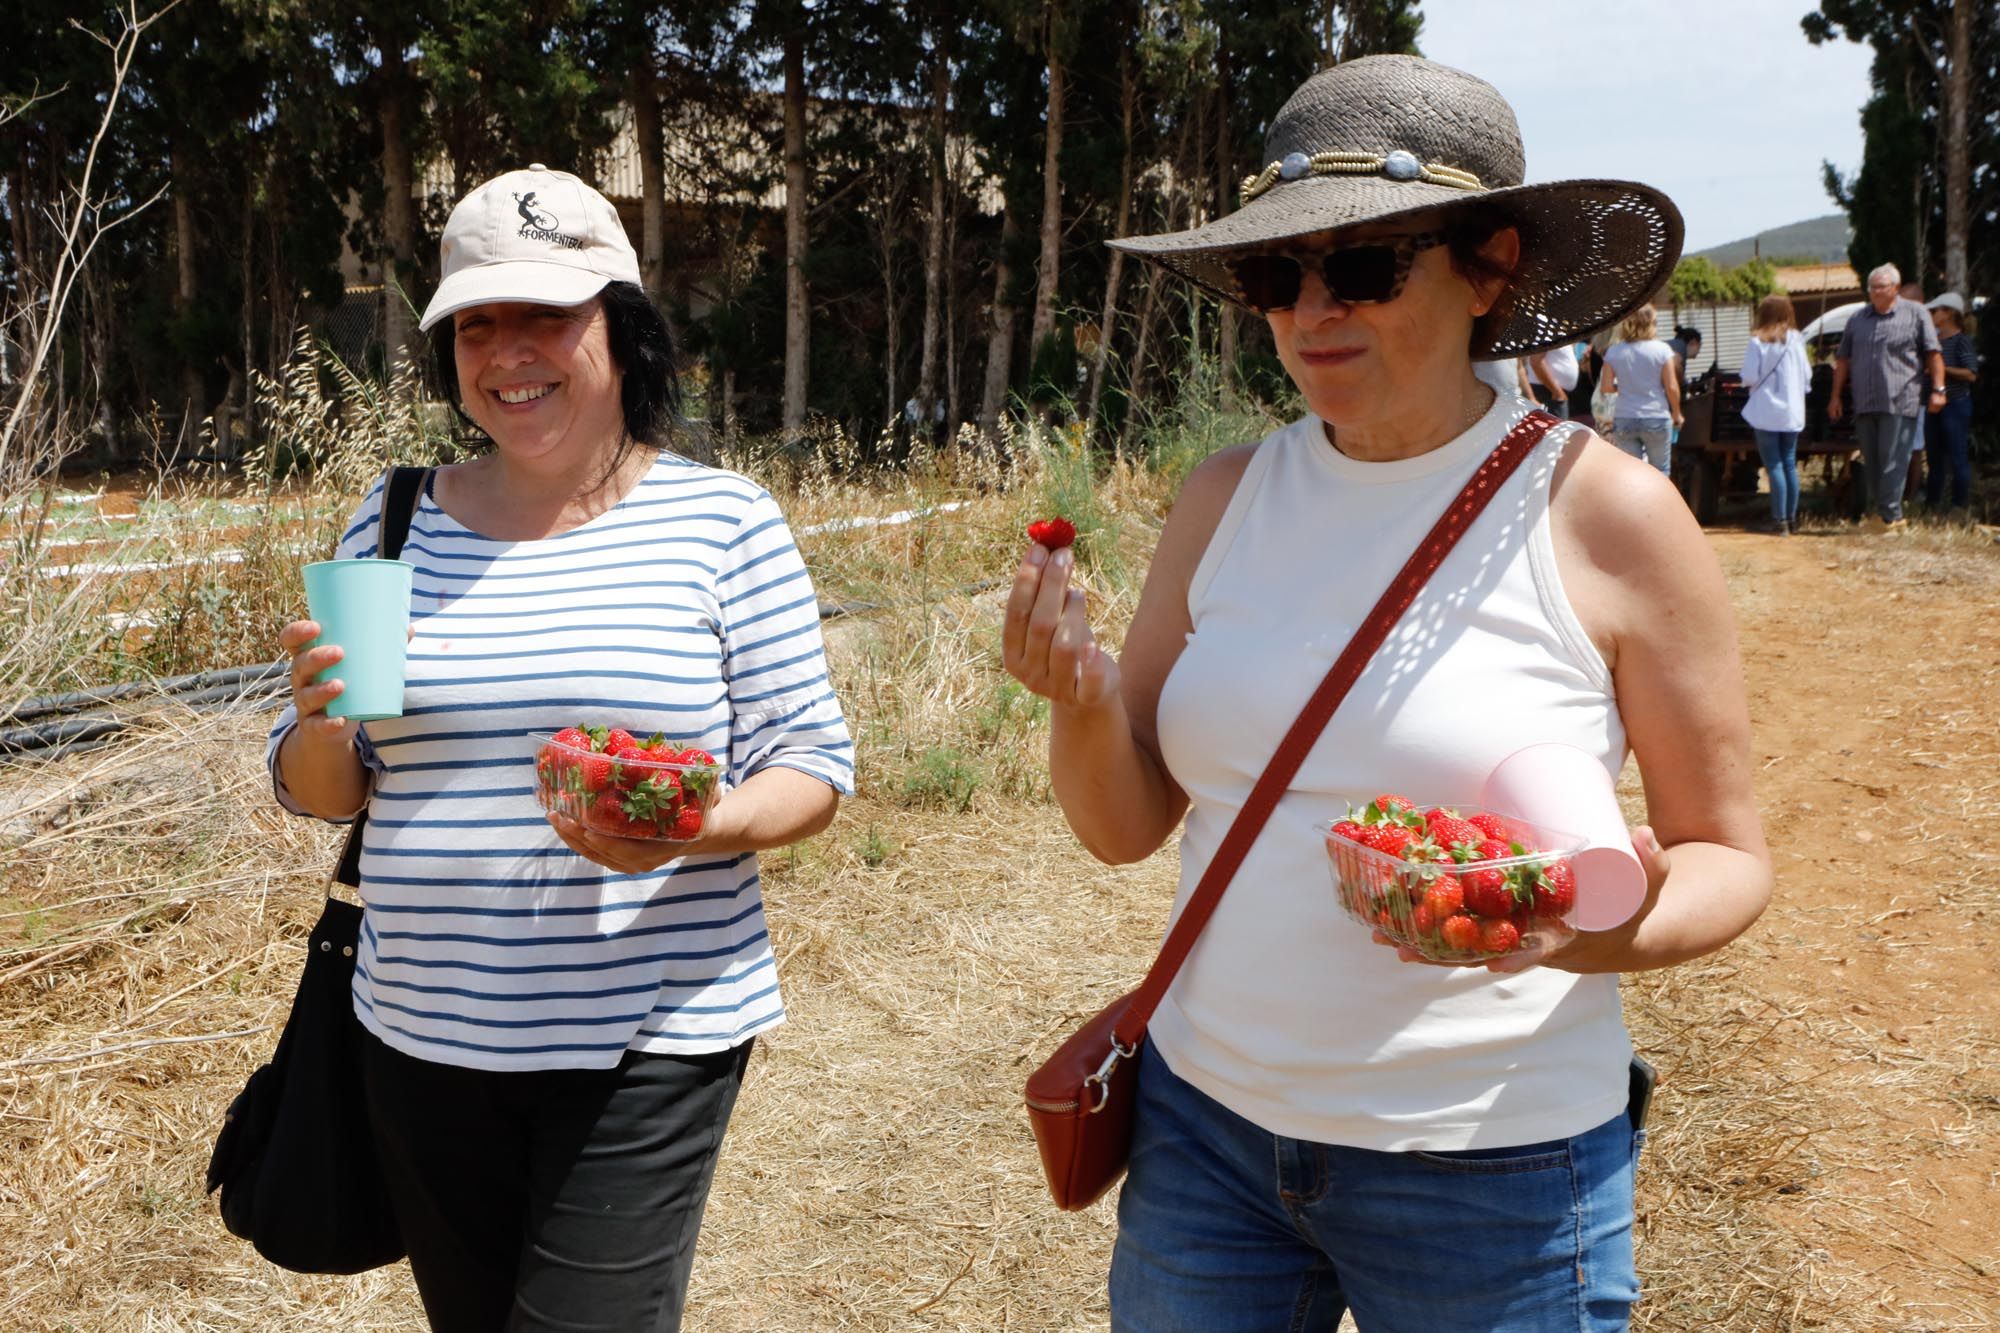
pixel 685 609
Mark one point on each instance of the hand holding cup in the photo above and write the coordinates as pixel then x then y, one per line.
pixel 311 695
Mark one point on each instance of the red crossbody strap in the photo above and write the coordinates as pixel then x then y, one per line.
pixel 1277 776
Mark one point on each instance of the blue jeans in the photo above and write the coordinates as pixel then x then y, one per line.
pixel 1646 438
pixel 1947 439
pixel 1886 442
pixel 1780 451
pixel 1227 1228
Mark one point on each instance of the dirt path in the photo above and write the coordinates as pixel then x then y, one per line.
pixel 1823 1153
pixel 1872 673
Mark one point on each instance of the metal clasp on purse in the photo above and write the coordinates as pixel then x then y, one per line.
pixel 1101 1080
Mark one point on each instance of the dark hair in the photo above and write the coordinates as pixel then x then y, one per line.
pixel 642 347
pixel 1688 333
pixel 1469 229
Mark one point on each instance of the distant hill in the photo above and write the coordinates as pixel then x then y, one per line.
pixel 1821 239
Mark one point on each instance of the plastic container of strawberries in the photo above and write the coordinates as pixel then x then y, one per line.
pixel 626 796
pixel 1451 899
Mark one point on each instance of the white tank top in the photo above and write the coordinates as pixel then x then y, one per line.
pixel 1287 1012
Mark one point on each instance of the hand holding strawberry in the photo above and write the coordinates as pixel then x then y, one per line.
pixel 1046 639
pixel 1052 533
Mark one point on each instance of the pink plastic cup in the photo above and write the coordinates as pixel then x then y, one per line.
pixel 1567 788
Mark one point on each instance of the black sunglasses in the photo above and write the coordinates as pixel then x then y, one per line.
pixel 1364 274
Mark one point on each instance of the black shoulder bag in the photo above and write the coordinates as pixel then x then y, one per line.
pixel 295 1160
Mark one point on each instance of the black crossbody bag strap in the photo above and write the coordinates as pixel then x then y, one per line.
pixel 402 490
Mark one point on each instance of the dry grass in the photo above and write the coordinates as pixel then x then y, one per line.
pixel 934 943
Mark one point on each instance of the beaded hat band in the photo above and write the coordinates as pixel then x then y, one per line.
pixel 1397 166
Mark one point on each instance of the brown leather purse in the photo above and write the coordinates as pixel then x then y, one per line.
pixel 1080 1101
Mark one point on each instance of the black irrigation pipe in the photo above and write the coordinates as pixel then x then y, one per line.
pixel 84 728
pixel 84 731
pixel 58 705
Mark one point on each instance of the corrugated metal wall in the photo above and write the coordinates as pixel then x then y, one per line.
pixel 1725 332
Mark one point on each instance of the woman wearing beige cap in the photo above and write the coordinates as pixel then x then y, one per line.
pixel 557 1020
pixel 1323 1121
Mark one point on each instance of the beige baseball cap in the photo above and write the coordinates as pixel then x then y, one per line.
pixel 535 235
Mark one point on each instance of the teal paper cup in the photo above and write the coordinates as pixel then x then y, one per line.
pixel 363 606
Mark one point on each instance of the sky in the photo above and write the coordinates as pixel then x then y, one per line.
pixel 1723 104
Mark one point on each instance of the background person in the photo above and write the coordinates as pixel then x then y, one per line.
pixel 1775 372
pixel 1644 373
pixel 1891 349
pixel 1686 347
pixel 1553 378
pixel 1322 1123
pixel 1950 428
pixel 1582 398
pixel 1507 375
pixel 557 1021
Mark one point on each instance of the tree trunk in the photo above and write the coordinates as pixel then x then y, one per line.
pixel 729 406
pixel 798 331
pixel 934 225
pixel 1958 90
pixel 1127 100
pixel 1000 336
pixel 1136 383
pixel 1224 170
pixel 1046 274
pixel 891 315
pixel 194 394
pixel 652 173
pixel 232 445
pixel 399 214
pixel 953 412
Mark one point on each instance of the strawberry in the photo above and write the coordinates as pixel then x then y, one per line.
pixel 1423 920
pixel 607 814
pixel 1449 831
pixel 1394 805
pixel 616 739
pixel 1499 936
pixel 1393 839
pixel 1445 897
pixel 594 772
pixel 687 824
pixel 1461 934
pixel 1487 892
pixel 573 737
pixel 1554 890
pixel 1052 533
pixel 1350 830
pixel 1493 826
pixel 1492 849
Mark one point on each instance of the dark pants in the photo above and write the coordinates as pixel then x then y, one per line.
pixel 1947 439
pixel 551 1199
pixel 1886 441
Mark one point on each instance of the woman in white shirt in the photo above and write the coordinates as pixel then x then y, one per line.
pixel 1323 1123
pixel 1774 370
pixel 1640 369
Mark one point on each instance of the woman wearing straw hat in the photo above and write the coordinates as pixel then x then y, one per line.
pixel 558 1019
pixel 1324 1123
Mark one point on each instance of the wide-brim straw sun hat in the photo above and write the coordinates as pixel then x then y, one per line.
pixel 1378 138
